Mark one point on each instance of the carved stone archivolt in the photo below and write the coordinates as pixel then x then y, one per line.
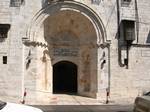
pixel 57 6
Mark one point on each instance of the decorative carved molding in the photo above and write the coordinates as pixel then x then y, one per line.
pixel 54 7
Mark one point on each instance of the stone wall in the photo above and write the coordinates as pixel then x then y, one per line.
pixel 125 84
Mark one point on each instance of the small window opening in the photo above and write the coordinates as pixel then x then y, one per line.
pixel 125 2
pixel 4 28
pixel 16 3
pixel 97 2
pixel 129 30
pixel 4 59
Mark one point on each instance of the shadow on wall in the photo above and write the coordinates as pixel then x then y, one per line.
pixel 148 38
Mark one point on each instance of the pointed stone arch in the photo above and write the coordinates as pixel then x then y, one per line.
pixel 57 6
pixel 86 55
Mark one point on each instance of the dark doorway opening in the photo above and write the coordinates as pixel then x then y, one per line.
pixel 65 77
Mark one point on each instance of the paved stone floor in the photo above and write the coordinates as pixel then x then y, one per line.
pixel 74 103
pixel 65 99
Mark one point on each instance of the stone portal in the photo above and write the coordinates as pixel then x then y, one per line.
pixel 68 36
pixel 71 38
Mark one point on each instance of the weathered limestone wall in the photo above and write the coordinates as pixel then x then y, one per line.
pixel 11 73
pixel 129 83
pixel 25 64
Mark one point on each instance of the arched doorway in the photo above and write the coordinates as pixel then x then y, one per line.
pixel 64 77
pixel 69 30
